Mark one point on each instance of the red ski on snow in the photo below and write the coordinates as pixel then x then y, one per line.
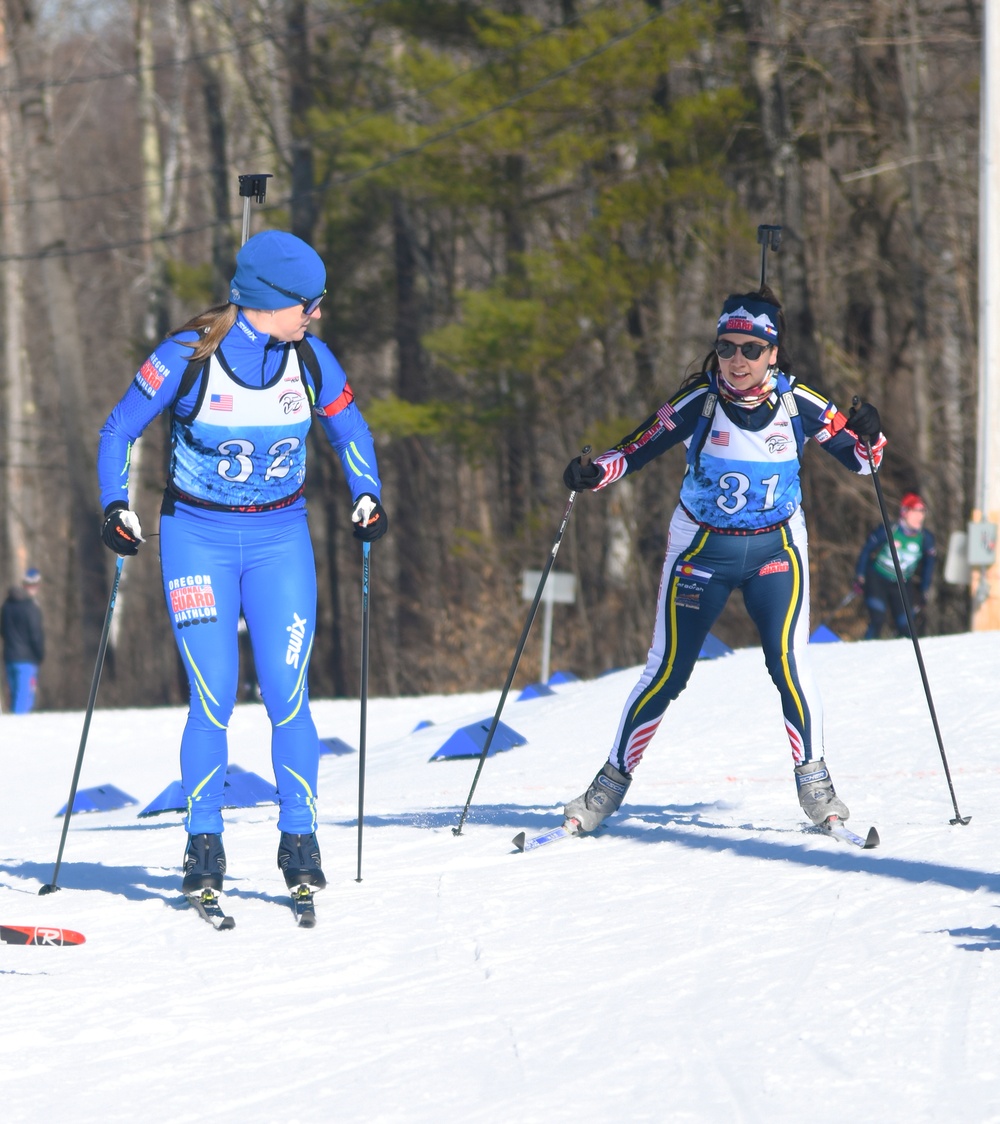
pixel 39 934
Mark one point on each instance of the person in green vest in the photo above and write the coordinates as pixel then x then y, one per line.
pixel 875 575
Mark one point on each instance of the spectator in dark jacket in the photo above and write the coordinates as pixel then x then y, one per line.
pixel 23 641
pixel 875 574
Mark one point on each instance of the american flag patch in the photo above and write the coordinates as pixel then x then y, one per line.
pixel 720 436
pixel 666 415
pixel 221 402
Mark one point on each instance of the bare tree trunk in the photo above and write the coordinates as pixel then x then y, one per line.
pixel 47 239
pixel 768 44
pixel 908 56
pixel 212 74
pixel 300 100
pixel 17 381
pixel 155 323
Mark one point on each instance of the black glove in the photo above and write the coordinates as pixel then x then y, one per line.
pixel 121 531
pixel 369 518
pixel 578 477
pixel 864 421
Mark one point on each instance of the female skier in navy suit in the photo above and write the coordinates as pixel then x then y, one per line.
pixel 739 525
pixel 242 383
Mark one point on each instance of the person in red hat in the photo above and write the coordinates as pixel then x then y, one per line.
pixel 875 574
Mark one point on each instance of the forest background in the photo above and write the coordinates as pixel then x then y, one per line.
pixel 530 212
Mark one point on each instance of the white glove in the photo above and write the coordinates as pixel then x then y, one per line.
pixel 362 510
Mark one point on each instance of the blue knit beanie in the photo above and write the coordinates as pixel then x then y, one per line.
pixel 276 258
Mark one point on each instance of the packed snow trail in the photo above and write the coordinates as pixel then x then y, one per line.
pixel 702 958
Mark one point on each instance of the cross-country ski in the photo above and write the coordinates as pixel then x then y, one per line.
pixel 304 907
pixel 835 828
pixel 695 921
pixel 206 905
pixel 40 935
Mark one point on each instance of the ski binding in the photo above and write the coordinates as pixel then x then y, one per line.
pixel 832 825
pixel 304 907
pixel 207 905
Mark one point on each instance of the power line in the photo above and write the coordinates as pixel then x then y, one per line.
pixel 42 84
pixel 378 165
pixel 417 95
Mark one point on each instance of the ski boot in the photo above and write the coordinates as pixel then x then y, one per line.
pixel 204 864
pixel 817 796
pixel 607 791
pixel 299 859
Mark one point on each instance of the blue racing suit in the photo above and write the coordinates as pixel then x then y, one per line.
pixel 739 525
pixel 234 535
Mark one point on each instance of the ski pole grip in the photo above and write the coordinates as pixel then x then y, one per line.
pixel 585 454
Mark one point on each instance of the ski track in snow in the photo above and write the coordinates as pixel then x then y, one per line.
pixel 703 958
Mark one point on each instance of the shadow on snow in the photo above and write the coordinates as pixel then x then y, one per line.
pixel 689 826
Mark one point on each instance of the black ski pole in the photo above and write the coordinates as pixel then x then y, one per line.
pixel 52 886
pixel 253 185
pixel 517 655
pixel 767 236
pixel 901 583
pixel 363 736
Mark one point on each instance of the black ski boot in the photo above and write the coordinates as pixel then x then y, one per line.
pixel 204 864
pixel 299 859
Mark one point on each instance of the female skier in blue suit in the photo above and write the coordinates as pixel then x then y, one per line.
pixel 242 383
pixel 739 525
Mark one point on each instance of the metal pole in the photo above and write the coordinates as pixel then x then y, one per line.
pixel 253 185
pixel 986 601
pixel 767 236
pixel 959 818
pixel 546 637
pixel 517 655
pixel 363 736
pixel 51 887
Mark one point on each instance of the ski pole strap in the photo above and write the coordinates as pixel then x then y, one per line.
pixel 792 407
pixel 785 392
pixel 704 421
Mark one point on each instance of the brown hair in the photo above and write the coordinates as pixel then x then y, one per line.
pixel 212 326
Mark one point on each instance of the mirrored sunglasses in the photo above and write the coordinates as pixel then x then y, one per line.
pixel 726 349
pixel 309 304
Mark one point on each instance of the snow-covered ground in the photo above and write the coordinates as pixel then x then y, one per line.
pixel 703 959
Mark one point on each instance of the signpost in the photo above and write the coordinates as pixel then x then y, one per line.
pixel 559 587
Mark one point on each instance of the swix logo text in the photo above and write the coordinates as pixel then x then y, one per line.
pixel 297 631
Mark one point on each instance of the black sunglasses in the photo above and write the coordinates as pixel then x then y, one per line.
pixel 309 304
pixel 726 349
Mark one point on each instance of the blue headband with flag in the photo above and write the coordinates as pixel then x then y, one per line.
pixel 749 318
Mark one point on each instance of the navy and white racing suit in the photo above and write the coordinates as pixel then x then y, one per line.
pixel 739 525
pixel 234 535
